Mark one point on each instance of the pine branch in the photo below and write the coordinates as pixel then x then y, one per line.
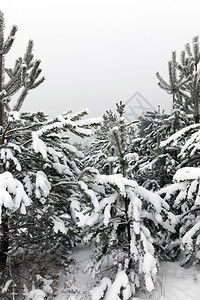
pixel 188 50
pixel 28 56
pixel 2 27
pixel 24 128
pixel 9 42
pixel 61 183
pixel 4 133
pixel 20 100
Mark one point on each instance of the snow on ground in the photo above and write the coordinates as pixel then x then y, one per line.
pixel 174 282
pixel 81 255
pixel 178 283
pixel 76 285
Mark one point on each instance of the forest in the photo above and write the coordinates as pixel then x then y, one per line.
pixel 131 194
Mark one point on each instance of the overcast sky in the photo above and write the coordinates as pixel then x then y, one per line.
pixel 95 53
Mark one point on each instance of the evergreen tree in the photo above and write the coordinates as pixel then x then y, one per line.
pixel 183 194
pixel 185 141
pixel 183 197
pixel 126 222
pixel 38 174
pixel 98 151
pixel 24 76
pixel 112 150
pixel 157 165
pixel 176 82
pixel 184 80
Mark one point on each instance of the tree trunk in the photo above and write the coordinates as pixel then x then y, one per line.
pixel 126 202
pixel 4 241
pixel 1 85
pixel 196 110
pixel 173 101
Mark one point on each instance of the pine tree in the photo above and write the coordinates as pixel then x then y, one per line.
pixel 183 197
pixel 157 165
pixel 126 222
pixel 112 149
pixel 186 143
pixel 38 174
pixel 183 194
pixel 98 151
pixel 22 77
pixel 184 80
pixel 176 82
pixel 128 225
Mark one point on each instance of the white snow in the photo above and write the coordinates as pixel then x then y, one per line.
pixel 177 283
pixel 38 145
pixel 169 190
pixel 150 270
pixel 59 225
pixel 187 238
pixel 36 295
pixel 7 155
pixel 134 211
pixel 192 189
pixel 90 193
pixel 187 173
pixel 121 282
pixel 13 116
pixel 91 220
pixel 192 144
pixel 150 197
pixel 173 282
pixel 15 147
pixel 6 286
pixel 174 138
pixel 21 198
pixel 42 185
pixel 6 199
pixel 70 122
pixel 147 240
pixel 130 157
pixel 46 284
pixel 107 214
pixel 28 185
pixel 115 180
pixel 72 149
pixel 99 291
pixel 89 121
pixel 12 194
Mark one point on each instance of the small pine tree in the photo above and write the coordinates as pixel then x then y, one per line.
pixel 184 81
pixel 38 174
pixel 24 76
pixel 185 141
pixel 97 152
pixel 126 222
pixel 183 197
pixel 157 165
pixel 112 150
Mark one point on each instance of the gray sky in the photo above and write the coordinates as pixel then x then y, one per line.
pixel 95 53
